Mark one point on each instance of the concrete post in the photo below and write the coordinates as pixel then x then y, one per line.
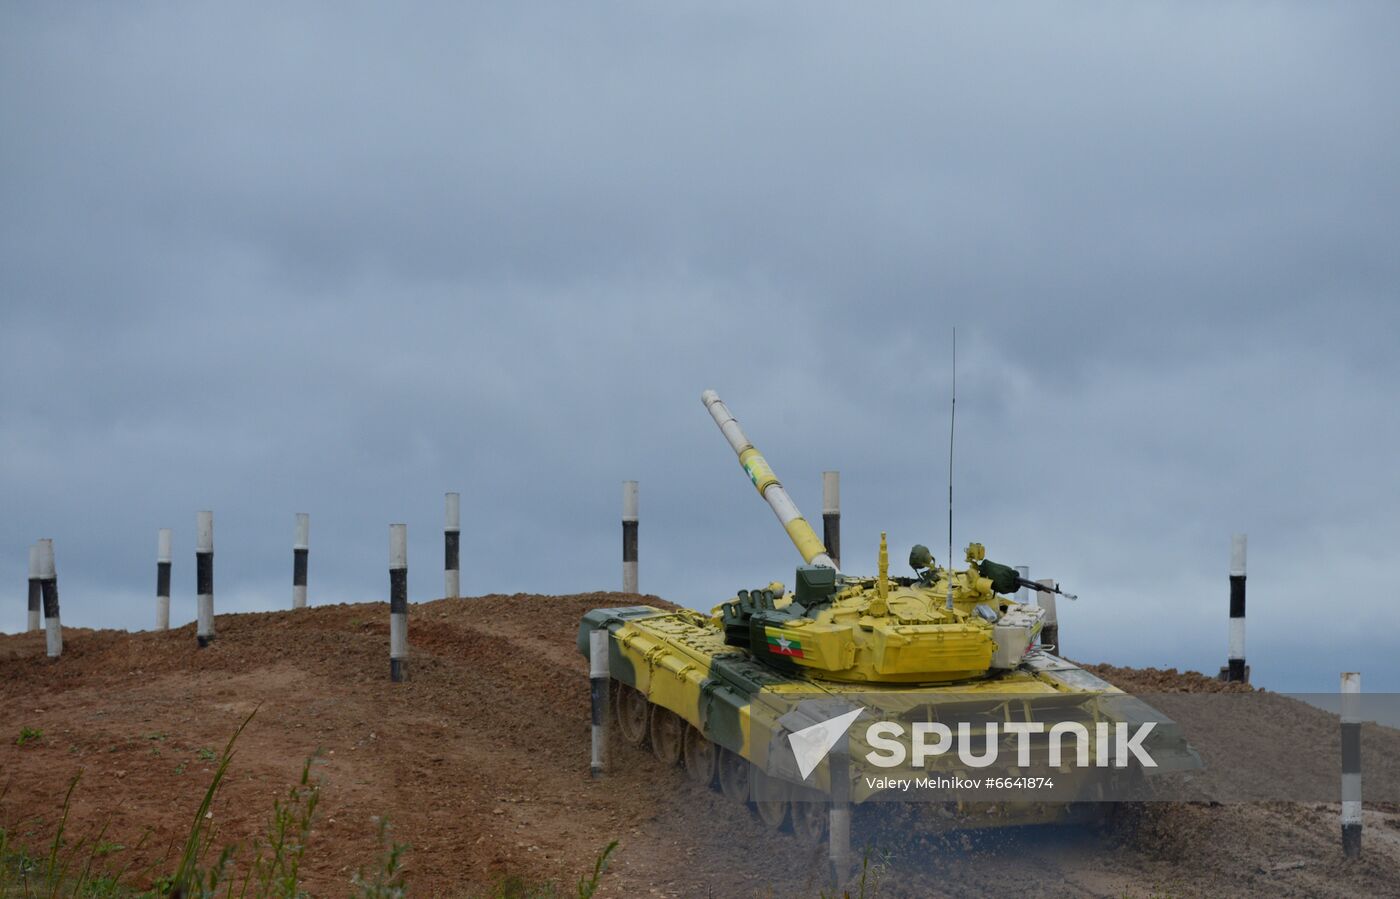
pixel 1351 764
pixel 1050 628
pixel 839 820
pixel 451 547
pixel 831 514
pixel 629 536
pixel 48 589
pixel 204 577
pixel 598 694
pixel 163 579
pixel 1236 670
pixel 36 590
pixel 301 549
pixel 398 601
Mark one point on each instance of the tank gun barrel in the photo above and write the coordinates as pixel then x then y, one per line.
pixel 758 470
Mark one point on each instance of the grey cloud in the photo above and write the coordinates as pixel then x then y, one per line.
pixel 340 260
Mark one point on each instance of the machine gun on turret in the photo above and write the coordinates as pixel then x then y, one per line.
pixel 1005 579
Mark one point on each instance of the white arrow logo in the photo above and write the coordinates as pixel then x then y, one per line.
pixel 811 744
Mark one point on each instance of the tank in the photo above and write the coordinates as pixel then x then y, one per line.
pixel 763 696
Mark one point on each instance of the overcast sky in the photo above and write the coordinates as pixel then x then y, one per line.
pixel 342 259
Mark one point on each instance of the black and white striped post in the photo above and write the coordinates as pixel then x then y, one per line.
pixel 598 694
pixel 301 550
pixel 451 547
pixel 163 579
pixel 839 818
pixel 48 589
pixel 36 592
pixel 1050 624
pixel 831 514
pixel 204 577
pixel 398 602
pixel 1351 764
pixel 630 492
pixel 1236 671
pixel 1025 594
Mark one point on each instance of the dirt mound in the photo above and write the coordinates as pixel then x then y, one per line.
pixel 480 764
pixel 1164 680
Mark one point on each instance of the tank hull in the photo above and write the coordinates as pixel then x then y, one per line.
pixel 679 664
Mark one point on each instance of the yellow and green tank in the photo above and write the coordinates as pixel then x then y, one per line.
pixel 721 694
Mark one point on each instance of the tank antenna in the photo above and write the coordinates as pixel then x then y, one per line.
pixel 952 422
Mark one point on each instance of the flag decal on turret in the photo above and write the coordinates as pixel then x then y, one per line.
pixel 783 645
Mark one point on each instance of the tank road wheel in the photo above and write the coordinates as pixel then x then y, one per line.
pixel 667 735
pixel 632 708
pixel 700 755
pixel 809 819
pixel 771 800
pixel 733 775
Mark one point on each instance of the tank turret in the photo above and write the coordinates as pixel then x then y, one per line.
pixel 879 629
